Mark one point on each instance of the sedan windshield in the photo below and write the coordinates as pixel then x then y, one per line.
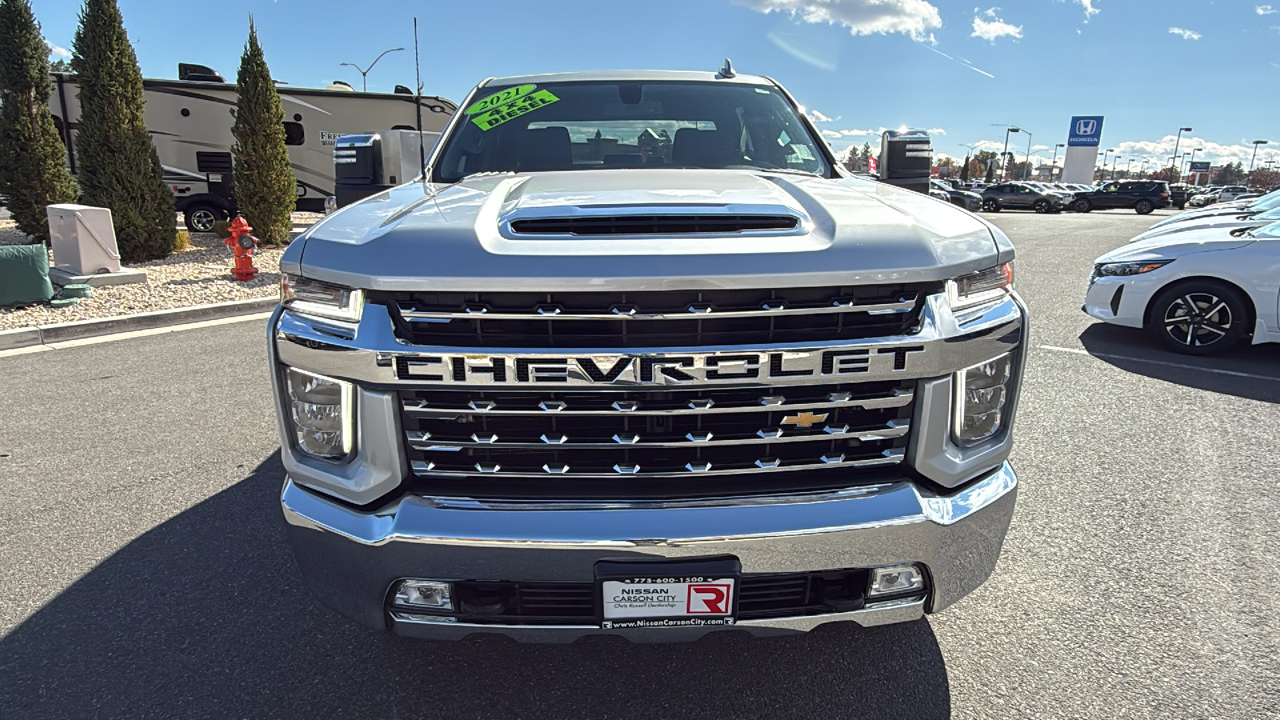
pixel 1267 202
pixel 1267 232
pixel 593 125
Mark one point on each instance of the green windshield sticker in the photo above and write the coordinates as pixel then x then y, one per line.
pixel 511 110
pixel 499 98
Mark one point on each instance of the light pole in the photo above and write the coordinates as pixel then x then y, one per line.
pixel 1176 143
pixel 1005 154
pixel 1054 164
pixel 1256 143
pixel 1127 165
pixel 1026 172
pixel 1104 163
pixel 364 74
pixel 1143 169
pixel 1114 159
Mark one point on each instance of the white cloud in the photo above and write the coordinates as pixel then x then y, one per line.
pixel 1040 147
pixel 993 28
pixel 818 117
pixel 859 133
pixel 1089 9
pixel 831 133
pixel 1265 10
pixel 1159 151
pixel 936 131
pixel 1185 34
pixel 914 18
pixel 59 52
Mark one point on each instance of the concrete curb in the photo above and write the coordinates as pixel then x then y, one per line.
pixel 62 332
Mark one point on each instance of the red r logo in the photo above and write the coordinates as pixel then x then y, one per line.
pixel 709 599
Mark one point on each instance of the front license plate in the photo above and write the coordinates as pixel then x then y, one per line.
pixel 688 593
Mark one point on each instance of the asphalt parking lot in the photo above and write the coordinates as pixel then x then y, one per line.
pixel 145 571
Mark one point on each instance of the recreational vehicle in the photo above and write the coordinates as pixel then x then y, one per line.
pixel 190 123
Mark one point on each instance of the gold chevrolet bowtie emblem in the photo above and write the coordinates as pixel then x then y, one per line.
pixel 804 419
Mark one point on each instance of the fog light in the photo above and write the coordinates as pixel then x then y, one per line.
pixel 427 594
pixel 321 414
pixel 895 580
pixel 981 392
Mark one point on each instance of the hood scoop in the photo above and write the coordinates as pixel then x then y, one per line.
pixel 645 222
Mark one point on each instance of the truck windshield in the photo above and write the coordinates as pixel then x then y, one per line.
pixel 594 125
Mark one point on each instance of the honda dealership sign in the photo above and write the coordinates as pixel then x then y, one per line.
pixel 1083 138
pixel 1085 131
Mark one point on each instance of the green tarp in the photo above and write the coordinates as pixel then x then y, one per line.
pixel 24 275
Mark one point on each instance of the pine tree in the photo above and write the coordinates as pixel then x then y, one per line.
pixel 991 172
pixel 33 160
pixel 117 165
pixel 964 170
pixel 265 186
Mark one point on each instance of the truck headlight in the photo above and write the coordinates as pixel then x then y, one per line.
pixel 320 414
pixel 312 297
pixel 981 288
pixel 981 393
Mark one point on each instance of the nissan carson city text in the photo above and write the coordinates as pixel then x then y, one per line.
pixel 637 356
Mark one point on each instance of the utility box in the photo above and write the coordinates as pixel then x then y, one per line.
pixel 369 163
pixel 84 241
pixel 906 159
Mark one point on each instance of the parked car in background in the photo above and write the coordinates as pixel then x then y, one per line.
pixel 1020 196
pixel 1266 202
pixel 1204 198
pixel 1232 192
pixel 1233 221
pixel 1197 292
pixel 970 201
pixel 1141 196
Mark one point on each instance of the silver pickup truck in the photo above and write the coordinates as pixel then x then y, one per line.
pixel 636 356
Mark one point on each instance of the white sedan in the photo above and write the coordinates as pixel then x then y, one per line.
pixel 1270 201
pixel 1198 292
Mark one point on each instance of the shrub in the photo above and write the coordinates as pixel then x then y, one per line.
pixel 33 160
pixel 222 228
pixel 118 167
pixel 182 241
pixel 265 186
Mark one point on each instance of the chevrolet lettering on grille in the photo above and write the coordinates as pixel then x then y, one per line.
pixel 774 367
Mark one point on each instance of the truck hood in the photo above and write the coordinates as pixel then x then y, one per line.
pixel 460 237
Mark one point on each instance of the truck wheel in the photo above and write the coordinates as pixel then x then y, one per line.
pixel 200 218
pixel 991 205
pixel 1144 207
pixel 1042 206
pixel 1082 205
pixel 1199 318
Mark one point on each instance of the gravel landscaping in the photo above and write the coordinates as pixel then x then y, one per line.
pixel 198 275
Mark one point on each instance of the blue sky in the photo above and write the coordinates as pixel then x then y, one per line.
pixel 1148 66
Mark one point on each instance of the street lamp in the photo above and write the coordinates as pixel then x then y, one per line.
pixel 1193 156
pixel 1256 143
pixel 1026 172
pixel 1176 143
pixel 364 74
pixel 1104 162
pixel 1008 129
pixel 1143 169
pixel 1054 164
pixel 1115 159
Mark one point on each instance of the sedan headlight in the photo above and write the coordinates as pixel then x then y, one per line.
pixel 312 297
pixel 980 288
pixel 1128 268
pixel 981 393
pixel 320 414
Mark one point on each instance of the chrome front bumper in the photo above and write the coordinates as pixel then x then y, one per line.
pixel 351 557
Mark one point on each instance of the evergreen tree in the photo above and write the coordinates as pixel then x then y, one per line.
pixel 991 172
pixel 964 170
pixel 33 160
pixel 265 186
pixel 117 165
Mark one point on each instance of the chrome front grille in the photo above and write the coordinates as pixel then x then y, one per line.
pixel 654 443
pixel 654 318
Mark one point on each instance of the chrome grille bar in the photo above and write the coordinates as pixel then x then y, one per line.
pixel 763 465
pixel 694 311
pixel 893 429
pixel 768 403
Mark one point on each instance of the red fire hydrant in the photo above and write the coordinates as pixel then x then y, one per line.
pixel 242 244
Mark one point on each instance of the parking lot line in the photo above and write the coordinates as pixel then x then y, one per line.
pixel 1162 363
